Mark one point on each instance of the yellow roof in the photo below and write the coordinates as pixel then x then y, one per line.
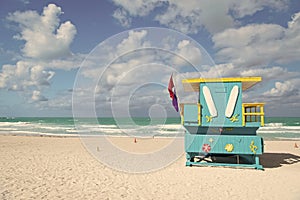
pixel 192 85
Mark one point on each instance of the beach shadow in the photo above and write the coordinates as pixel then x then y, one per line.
pixel 275 160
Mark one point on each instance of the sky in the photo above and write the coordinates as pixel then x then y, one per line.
pixel 115 57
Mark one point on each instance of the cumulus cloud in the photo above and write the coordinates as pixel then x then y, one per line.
pixel 284 86
pixel 45 37
pixel 195 15
pixel 60 104
pixel 258 44
pixel 37 96
pixel 128 9
pixel 249 7
pixel 68 63
pixel 138 7
pixel 188 52
pixel 93 66
pixel 121 16
pixel 282 89
pixel 135 40
pixel 283 98
pixel 23 76
pixel 46 48
pixel 39 76
pixel 220 70
pixel 269 73
pixel 139 64
pixel 138 48
pixel 213 15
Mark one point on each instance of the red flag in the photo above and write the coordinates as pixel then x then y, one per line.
pixel 170 87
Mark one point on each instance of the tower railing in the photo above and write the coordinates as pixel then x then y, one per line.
pixel 253 113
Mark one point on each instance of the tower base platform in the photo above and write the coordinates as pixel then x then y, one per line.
pixel 223 150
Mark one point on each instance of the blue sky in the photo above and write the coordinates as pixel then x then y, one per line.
pixel 44 43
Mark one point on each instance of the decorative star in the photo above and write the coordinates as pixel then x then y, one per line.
pixel 234 118
pixel 211 140
pixel 253 148
pixel 229 147
pixel 208 118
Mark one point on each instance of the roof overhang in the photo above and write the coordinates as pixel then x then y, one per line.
pixel 192 85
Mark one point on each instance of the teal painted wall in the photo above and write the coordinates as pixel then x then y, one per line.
pixel 191 113
pixel 241 144
pixel 220 94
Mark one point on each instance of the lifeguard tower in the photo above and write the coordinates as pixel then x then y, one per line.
pixel 220 129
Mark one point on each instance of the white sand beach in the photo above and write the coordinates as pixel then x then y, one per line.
pixel 61 168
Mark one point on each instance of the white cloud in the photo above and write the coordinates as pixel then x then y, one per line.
pixel 39 76
pixel 37 96
pixel 121 16
pixel 249 7
pixel 191 16
pixel 221 70
pixel 135 40
pixel 269 73
pixel 46 48
pixel 282 90
pixel 283 98
pixel 94 66
pixel 61 103
pixel 145 68
pixel 138 7
pixel 142 54
pixel 45 37
pixel 23 76
pixel 71 62
pixel 128 9
pixel 189 52
pixel 259 44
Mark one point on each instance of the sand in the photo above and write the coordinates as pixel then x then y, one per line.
pixel 62 168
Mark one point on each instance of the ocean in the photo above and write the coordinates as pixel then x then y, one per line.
pixel 276 128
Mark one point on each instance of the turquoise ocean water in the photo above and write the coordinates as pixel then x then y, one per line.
pixel 276 128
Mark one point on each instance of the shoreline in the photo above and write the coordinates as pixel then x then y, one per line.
pixel 54 135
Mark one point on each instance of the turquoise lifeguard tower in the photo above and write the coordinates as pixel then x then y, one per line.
pixel 220 128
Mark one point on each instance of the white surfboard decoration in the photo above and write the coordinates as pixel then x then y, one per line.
pixel 210 102
pixel 232 101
